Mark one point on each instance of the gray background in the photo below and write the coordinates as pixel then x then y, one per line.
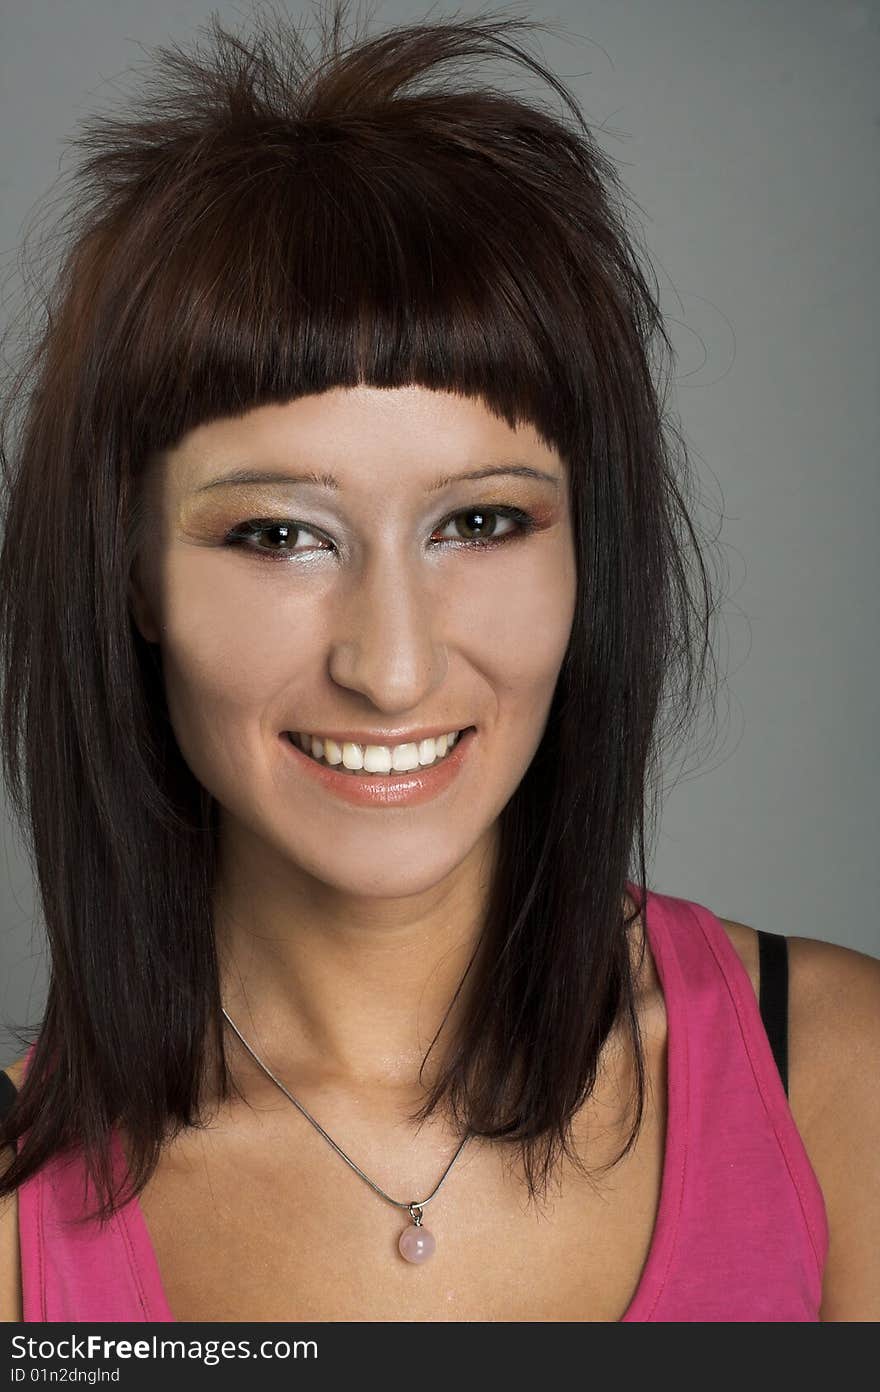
pixel 747 135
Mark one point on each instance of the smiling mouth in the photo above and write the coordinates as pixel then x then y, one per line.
pixel 296 740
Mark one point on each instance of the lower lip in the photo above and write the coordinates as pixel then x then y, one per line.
pixel 385 789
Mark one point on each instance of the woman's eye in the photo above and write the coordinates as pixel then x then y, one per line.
pixel 475 527
pixel 480 525
pixel 282 532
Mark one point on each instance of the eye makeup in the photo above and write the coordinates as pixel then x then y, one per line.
pixel 286 530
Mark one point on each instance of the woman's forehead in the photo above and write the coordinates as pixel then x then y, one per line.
pixel 346 438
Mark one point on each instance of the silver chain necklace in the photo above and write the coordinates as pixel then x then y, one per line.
pixel 416 1243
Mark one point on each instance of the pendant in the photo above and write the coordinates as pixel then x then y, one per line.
pixel 416 1243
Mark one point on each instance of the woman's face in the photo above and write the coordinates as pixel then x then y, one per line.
pixel 374 607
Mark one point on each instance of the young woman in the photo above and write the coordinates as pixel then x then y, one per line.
pixel 347 609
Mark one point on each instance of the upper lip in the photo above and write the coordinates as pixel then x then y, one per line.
pixel 384 737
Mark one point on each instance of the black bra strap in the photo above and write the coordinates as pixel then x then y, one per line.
pixel 773 998
pixel 8 1092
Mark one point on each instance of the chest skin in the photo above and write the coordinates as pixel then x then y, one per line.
pixel 256 1218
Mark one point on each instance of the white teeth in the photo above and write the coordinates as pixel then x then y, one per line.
pixel 352 754
pixel 375 758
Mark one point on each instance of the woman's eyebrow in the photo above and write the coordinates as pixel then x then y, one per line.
pixel 259 476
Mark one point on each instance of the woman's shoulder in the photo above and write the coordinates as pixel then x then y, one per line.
pixel 833 1008
pixel 834 1026
pixel 833 1067
pixel 833 1020
pixel 825 980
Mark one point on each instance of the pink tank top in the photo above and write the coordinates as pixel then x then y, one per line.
pixel 741 1232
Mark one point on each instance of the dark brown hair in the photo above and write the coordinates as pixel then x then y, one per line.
pixel 262 224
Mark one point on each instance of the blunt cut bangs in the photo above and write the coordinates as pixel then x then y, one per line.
pixel 264 223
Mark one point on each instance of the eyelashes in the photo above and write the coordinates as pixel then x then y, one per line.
pixel 285 530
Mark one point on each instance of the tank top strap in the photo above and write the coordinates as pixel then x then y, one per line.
pixel 83 1271
pixel 752 1209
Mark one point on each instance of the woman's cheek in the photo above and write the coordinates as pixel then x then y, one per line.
pixel 230 649
pixel 520 614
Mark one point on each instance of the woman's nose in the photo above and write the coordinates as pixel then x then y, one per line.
pixel 389 641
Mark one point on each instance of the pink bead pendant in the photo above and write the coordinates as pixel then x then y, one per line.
pixel 416 1243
